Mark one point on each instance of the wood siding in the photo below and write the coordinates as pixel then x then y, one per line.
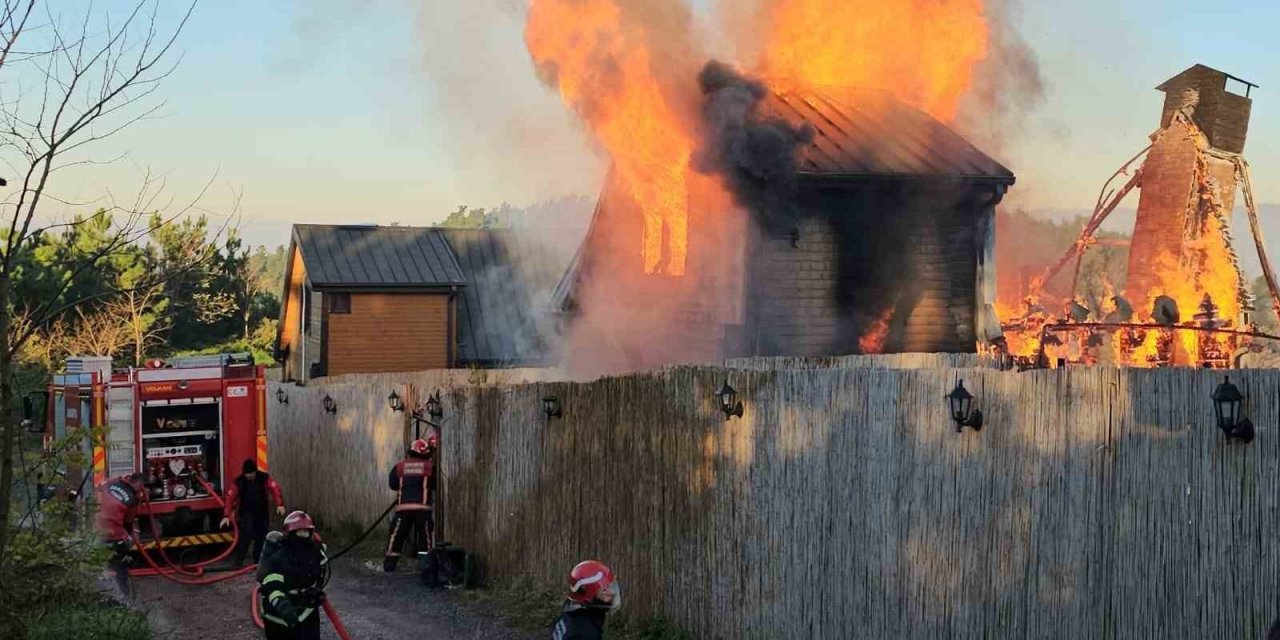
pixel 858 257
pixel 290 327
pixel 389 332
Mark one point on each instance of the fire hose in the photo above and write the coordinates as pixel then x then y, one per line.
pixel 193 574
pixel 326 605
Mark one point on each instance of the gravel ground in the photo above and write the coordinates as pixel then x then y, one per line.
pixel 373 605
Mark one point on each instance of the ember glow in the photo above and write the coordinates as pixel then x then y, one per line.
pixel 923 51
pixel 604 72
pixel 873 340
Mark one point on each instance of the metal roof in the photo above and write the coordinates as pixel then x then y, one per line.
pixel 339 256
pixel 503 312
pixel 861 133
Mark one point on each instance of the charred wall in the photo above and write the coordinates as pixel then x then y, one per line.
pixel 875 258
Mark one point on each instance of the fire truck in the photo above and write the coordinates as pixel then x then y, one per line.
pixel 178 422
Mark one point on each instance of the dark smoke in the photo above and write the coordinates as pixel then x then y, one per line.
pixel 755 153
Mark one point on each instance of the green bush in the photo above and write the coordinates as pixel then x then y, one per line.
pixel 49 573
pixel 86 620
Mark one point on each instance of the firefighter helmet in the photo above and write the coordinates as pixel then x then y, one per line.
pixel 592 582
pixel 419 446
pixel 296 521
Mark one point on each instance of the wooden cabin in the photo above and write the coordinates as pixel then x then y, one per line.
pixel 372 299
pixel 889 248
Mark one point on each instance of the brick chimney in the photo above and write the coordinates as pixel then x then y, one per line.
pixel 1169 173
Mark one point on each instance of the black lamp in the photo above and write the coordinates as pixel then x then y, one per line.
pixel 329 405
pixel 1227 401
pixel 434 410
pixel 395 401
pixel 551 407
pixel 729 402
pixel 281 396
pixel 960 401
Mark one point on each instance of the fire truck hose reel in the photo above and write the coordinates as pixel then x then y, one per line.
pixel 197 569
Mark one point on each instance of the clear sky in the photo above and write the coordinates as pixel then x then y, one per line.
pixel 401 110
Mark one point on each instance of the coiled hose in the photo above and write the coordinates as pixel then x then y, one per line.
pixel 192 574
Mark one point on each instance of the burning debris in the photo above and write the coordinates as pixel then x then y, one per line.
pixel 1181 256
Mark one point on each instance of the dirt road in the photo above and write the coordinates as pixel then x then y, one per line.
pixel 373 606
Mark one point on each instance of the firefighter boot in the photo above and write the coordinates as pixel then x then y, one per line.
pixel 389 564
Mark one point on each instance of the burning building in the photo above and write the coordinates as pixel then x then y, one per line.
pixel 876 237
pixel 1184 300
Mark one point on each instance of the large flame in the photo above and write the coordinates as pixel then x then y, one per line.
pixel 1200 274
pixel 603 70
pixel 923 51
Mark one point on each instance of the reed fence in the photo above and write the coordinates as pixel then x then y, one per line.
pixel 1094 503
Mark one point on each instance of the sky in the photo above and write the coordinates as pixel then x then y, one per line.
pixel 380 111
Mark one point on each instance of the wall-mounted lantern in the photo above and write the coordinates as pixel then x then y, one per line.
pixel 329 405
pixel 435 410
pixel 960 402
pixel 395 401
pixel 281 396
pixel 729 403
pixel 551 407
pixel 1227 401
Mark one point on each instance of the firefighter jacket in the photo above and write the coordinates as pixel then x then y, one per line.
pixel 292 579
pixel 118 510
pixel 249 497
pixel 413 479
pixel 579 623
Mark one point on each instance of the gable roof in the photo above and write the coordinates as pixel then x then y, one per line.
pixel 860 133
pixel 338 256
pixel 503 312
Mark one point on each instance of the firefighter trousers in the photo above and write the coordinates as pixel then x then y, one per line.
pixel 419 523
pixel 308 629
pixel 253 531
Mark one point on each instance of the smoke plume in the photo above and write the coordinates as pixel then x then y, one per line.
pixel 755 153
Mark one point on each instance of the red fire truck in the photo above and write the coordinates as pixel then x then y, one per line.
pixel 176 421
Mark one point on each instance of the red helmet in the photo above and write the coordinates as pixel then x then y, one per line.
pixel 296 521
pixel 419 446
pixel 591 580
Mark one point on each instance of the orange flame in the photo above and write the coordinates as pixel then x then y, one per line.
pixel 603 71
pixel 923 51
pixel 873 340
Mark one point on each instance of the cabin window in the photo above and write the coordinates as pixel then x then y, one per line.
pixel 338 302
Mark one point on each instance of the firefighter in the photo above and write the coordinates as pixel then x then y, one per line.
pixel 292 576
pixel 413 479
pixel 593 593
pixel 246 501
pixel 116 522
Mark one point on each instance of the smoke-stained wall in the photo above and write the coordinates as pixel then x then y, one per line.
pixel 875 268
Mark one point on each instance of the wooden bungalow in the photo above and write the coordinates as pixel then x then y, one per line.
pixel 889 248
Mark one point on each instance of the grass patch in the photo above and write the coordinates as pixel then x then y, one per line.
pixel 525 605
pixel 85 619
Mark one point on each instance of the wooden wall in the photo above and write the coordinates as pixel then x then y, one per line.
pixel 908 257
pixel 1095 503
pixel 389 332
